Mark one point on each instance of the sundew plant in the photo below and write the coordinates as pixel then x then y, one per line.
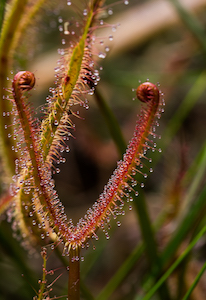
pixel 41 237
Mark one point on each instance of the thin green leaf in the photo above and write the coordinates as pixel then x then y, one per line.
pixel 194 284
pixel 175 265
pixel 197 208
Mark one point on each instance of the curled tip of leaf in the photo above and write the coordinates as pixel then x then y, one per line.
pixel 147 91
pixel 25 80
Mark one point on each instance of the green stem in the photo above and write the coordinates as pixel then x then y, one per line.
pixel 111 121
pixel 74 274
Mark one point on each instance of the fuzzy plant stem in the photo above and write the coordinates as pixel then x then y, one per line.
pixel 43 282
pixel 74 274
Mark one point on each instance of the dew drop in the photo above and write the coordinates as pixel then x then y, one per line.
pixel 110 12
pixel 85 12
pixel 118 223
pixel 142 184
pixel 107 49
pixel 102 55
pixel 111 37
pixel 60 20
pixel 63 42
pixel 69 2
pixel 126 2
pixel 136 193
pixel 60 28
pixel 151 170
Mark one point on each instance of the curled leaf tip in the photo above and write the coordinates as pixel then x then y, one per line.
pixel 24 80
pixel 147 91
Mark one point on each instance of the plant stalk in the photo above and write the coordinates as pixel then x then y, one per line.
pixel 74 274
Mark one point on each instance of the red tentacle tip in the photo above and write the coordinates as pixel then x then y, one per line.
pixel 147 91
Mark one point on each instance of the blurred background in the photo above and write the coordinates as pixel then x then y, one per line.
pixel 160 40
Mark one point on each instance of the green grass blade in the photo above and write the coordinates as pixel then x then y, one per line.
pixel 192 23
pixel 127 265
pixel 198 168
pixel 197 208
pixel 121 273
pixel 112 123
pixel 175 265
pixel 189 292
